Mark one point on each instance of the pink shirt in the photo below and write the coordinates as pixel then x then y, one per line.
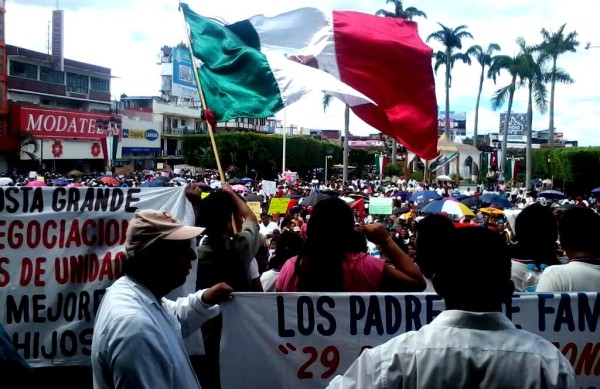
pixel 362 273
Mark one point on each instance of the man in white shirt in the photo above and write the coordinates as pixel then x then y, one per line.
pixel 266 227
pixel 471 344
pixel 138 334
pixel 578 230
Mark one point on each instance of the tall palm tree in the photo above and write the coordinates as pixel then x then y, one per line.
pixel 326 101
pixel 556 44
pixel 533 76
pixel 513 65
pixel 451 38
pixel 485 58
pixel 400 13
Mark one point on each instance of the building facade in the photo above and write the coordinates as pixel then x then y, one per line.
pixel 58 120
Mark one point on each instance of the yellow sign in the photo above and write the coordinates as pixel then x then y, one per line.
pixel 137 134
pixel 41 179
pixel 204 195
pixel 159 166
pixel 255 207
pixel 279 205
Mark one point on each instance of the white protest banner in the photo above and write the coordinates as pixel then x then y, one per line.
pixel 60 247
pixel 303 340
pixel 380 205
pixel 269 187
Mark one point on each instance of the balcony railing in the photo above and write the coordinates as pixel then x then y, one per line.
pixel 181 131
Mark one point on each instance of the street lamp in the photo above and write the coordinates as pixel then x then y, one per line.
pixel 326 158
pixel 589 46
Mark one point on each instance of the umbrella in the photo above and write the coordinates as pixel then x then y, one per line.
pixel 292 196
pixel 402 193
pixel 313 199
pixel 331 192
pixel 536 181
pixel 472 202
pixel 424 195
pixel 552 194
pixel 239 188
pixel 462 197
pixel 254 198
pixel 35 183
pixel 596 190
pixel 492 211
pixel 180 179
pixel 60 181
pixel 153 184
pixel 247 180
pixel 447 206
pixel 443 178
pixel 161 178
pixel 236 181
pixel 5 181
pixel 109 180
pixel 75 173
pixel 496 199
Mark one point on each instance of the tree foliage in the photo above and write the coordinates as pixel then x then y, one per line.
pixel 264 153
pixel 577 167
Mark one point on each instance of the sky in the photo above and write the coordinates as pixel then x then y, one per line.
pixel 126 36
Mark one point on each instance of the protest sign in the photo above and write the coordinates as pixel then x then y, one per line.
pixel 279 205
pixel 306 339
pixel 269 187
pixel 255 207
pixel 380 205
pixel 60 247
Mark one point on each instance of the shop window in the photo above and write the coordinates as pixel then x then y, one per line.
pixel 24 70
pixel 52 76
pixel 77 83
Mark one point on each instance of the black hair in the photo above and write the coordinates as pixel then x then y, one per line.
pixel 536 231
pixel 215 212
pixel 329 235
pixel 435 236
pixel 289 245
pixel 578 228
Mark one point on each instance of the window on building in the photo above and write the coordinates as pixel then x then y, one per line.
pixel 52 76
pixel 174 123
pixel 99 84
pixel 77 83
pixel 25 70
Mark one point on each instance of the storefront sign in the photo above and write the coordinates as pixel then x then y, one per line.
pixel 61 124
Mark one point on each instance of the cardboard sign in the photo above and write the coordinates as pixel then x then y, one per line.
pixel 279 205
pixel 380 205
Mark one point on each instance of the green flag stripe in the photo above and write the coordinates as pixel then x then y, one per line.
pixel 236 79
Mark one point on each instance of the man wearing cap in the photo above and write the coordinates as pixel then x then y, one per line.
pixel 138 334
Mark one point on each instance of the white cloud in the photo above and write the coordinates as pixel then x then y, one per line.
pixel 126 36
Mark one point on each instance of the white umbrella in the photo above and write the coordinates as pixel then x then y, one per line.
pixel 6 181
pixel 443 178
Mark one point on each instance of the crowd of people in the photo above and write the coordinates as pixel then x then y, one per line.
pixel 336 245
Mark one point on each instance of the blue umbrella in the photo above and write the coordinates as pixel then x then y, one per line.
pixel 402 193
pixel 536 181
pixel 424 195
pixel 153 184
pixel 60 181
pixel 496 199
pixel 247 180
pixel 596 190
pixel 552 194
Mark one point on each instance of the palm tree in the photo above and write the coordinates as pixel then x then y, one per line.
pixel 326 101
pixel 484 58
pixel 452 41
pixel 401 13
pixel 533 76
pixel 556 44
pixel 513 65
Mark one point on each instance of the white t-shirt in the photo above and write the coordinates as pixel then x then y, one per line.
pixel 268 280
pixel 575 276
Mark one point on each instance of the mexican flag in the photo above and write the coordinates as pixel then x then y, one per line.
pixel 378 66
pixel 443 161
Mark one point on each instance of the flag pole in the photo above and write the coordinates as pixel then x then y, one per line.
pixel 203 101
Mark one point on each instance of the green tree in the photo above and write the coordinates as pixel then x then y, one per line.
pixel 485 58
pixel 451 39
pixel 399 11
pixel 533 76
pixel 514 67
pixel 554 45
